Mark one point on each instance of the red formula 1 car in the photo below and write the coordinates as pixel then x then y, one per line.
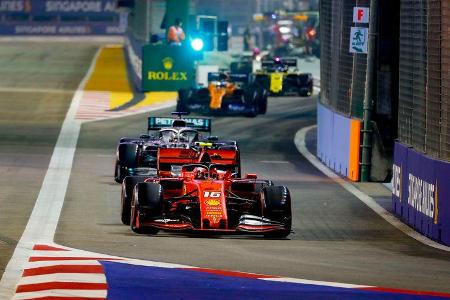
pixel 207 197
pixel 202 191
pixel 170 161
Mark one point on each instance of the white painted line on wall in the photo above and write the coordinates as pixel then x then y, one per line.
pixel 299 141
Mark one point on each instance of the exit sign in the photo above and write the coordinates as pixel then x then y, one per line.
pixel 361 15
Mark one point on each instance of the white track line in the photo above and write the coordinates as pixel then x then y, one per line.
pixel 44 218
pixel 64 277
pixel 299 141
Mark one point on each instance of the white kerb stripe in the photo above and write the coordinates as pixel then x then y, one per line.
pixel 62 293
pixel 64 277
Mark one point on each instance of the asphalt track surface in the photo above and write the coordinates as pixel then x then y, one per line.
pixel 37 82
pixel 336 237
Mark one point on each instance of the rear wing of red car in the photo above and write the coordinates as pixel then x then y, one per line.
pixel 200 124
pixel 168 157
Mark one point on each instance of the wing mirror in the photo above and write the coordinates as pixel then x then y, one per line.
pixel 251 176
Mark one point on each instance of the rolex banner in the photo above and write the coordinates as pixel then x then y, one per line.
pixel 167 68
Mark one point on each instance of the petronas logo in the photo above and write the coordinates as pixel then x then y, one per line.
pixel 168 63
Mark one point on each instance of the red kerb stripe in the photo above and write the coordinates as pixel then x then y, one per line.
pixel 407 292
pixel 66 298
pixel 86 269
pixel 47 248
pixel 37 287
pixel 51 258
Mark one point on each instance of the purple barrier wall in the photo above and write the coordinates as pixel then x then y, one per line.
pixel 333 139
pixel 420 194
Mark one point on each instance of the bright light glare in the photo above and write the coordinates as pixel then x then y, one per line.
pixel 197 44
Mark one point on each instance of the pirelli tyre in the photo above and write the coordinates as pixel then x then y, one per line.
pixel 127 157
pixel 276 206
pixel 251 99
pixel 146 203
pixel 262 102
pixel 126 196
pixel 183 100
pixel 262 80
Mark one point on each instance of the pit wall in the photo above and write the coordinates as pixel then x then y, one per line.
pixel 421 193
pixel 338 142
pixel 133 54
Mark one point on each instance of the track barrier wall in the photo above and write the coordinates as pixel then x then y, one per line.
pixel 133 54
pixel 60 17
pixel 338 142
pixel 421 193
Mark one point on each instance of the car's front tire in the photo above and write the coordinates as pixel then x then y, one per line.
pixel 276 206
pixel 147 201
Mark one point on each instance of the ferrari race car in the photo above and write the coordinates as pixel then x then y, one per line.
pixel 280 77
pixel 226 93
pixel 170 162
pixel 138 156
pixel 207 197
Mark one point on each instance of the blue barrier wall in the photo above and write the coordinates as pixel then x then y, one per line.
pixel 338 142
pixel 421 193
pixel 60 17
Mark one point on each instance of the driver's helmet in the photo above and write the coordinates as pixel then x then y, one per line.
pixel 168 135
pixel 188 136
pixel 200 173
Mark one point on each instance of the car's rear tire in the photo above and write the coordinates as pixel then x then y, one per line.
pixel 276 206
pixel 117 172
pixel 128 153
pixel 147 196
pixel 126 196
pixel 127 158
pixel 262 105
pixel 251 99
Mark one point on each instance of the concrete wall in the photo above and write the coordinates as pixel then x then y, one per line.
pixel 338 142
